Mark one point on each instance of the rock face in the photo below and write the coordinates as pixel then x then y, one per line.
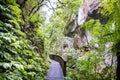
pixel 73 29
pixel 88 7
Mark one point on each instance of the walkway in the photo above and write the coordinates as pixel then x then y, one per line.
pixel 55 72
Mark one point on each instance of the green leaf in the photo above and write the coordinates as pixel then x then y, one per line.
pixel 7 56
pixel 6 65
pixel 18 66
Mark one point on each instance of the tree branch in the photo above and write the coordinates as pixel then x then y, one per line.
pixel 31 11
pixel 51 5
pixel 60 2
pixel 39 8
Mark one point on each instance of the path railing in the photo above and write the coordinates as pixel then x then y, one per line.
pixel 60 60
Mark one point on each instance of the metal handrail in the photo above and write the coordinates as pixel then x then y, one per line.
pixel 61 60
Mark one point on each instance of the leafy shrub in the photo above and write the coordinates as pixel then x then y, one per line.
pixel 89 66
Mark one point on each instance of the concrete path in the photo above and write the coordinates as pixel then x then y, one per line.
pixel 55 72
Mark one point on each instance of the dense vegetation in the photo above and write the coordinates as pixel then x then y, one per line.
pixel 27 39
pixel 18 60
